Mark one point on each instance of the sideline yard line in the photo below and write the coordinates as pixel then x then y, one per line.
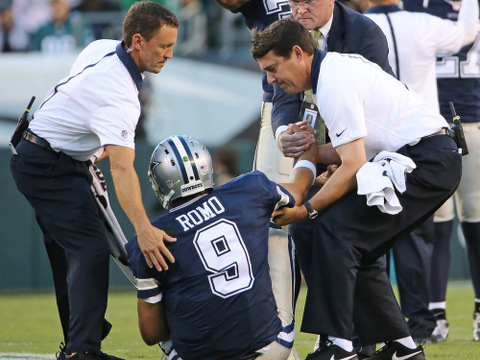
pixel 20 356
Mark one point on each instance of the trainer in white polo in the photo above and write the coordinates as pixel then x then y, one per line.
pixel 384 138
pixel 92 113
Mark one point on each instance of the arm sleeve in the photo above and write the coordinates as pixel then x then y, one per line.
pixel 115 120
pixel 268 192
pixel 468 17
pixel 147 285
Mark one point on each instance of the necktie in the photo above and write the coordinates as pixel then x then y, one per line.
pixel 319 39
pixel 320 131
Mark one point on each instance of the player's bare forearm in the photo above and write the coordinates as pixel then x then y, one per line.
pixel 127 187
pixel 300 182
pixel 152 322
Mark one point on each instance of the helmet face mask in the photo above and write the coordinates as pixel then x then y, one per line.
pixel 179 167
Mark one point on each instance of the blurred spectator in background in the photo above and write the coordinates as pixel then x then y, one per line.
pixel 104 16
pixel 172 5
pixel 31 13
pixel 192 32
pixel 358 5
pixel 13 35
pixel 65 32
pixel 225 165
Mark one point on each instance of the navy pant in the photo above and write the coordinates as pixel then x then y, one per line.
pixel 412 258
pixel 58 188
pixel 348 283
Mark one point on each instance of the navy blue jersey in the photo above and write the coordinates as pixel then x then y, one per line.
pixel 458 76
pixel 258 15
pixel 218 294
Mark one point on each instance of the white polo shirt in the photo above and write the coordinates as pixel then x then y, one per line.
pixel 96 105
pixel 357 99
pixel 418 37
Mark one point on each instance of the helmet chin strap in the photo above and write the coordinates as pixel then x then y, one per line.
pixel 166 199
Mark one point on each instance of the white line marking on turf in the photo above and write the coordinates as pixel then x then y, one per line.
pixel 20 356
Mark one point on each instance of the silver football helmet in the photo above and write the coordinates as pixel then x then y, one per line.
pixel 180 166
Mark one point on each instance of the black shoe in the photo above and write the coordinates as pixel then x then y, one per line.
pixel 360 356
pixel 364 352
pixel 395 351
pixel 60 355
pixel 328 351
pixel 86 355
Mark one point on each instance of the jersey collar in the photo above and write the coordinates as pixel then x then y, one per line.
pixel 132 68
pixel 383 9
pixel 315 70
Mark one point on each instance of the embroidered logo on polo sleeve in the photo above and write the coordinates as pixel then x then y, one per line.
pixel 124 134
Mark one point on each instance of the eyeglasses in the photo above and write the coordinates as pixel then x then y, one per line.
pixel 308 4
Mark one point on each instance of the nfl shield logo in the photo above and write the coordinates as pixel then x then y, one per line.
pixel 124 134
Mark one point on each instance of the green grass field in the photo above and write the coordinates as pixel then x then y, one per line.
pixel 29 324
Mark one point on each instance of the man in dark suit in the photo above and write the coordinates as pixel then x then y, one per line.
pixel 346 31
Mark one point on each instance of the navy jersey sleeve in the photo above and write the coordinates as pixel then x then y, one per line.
pixel 259 14
pixel 268 191
pixel 458 75
pixel 286 108
pixel 147 285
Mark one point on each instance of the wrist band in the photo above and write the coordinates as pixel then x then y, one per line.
pixel 280 129
pixel 306 164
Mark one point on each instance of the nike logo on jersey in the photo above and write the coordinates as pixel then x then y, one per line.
pixel 395 357
pixel 341 132
pixel 345 358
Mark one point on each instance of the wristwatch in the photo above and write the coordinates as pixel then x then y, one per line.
pixel 312 213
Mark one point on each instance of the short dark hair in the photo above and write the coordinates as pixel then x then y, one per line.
pixel 146 18
pixel 281 36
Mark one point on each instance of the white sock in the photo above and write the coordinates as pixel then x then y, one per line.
pixel 437 305
pixel 343 343
pixel 407 341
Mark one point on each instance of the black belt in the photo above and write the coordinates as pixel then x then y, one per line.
pixel 442 131
pixel 37 140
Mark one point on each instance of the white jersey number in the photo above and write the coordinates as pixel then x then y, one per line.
pixel 224 254
pixel 448 66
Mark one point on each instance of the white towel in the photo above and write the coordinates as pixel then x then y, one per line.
pixel 379 178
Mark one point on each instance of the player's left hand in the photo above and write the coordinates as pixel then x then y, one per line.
pixel 286 215
pixel 321 179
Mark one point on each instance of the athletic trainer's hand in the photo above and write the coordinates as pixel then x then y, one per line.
pixel 286 215
pixel 293 141
pixel 152 243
